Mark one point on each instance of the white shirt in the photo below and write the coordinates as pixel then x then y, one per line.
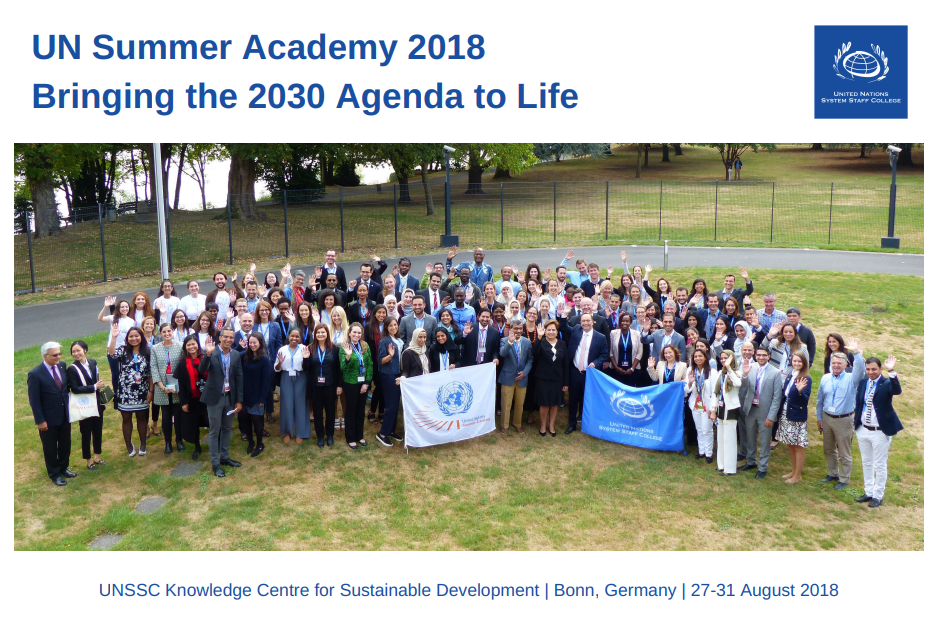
pixel 167 307
pixel 125 323
pixel 581 363
pixel 193 307
pixel 292 359
pixel 868 417
pixel 223 300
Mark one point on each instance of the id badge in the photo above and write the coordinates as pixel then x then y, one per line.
pixel 227 388
pixel 321 380
pixel 361 379
pixel 698 405
pixel 137 378
pixel 625 364
pixel 291 373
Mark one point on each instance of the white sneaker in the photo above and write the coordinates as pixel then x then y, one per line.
pixel 142 452
pixel 133 451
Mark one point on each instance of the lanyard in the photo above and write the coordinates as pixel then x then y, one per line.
pixel 264 329
pixel 759 375
pixel 482 337
pixel 445 366
pixel 501 329
pixel 336 337
pixel 403 284
pixel 363 310
pixel 322 357
pixel 668 373
pixel 136 361
pixel 517 346
pixel 226 364
pixel 292 356
pixel 285 327
pixel 179 337
pixel 699 378
pixel 361 358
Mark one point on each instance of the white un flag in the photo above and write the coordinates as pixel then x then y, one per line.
pixel 449 405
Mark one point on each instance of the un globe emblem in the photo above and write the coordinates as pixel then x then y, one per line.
pixel 454 398
pixel 634 408
pixel 861 64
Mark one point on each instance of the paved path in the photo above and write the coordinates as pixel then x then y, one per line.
pixel 68 319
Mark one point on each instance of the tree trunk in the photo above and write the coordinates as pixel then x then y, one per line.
pixel 475 174
pixel 109 196
pixel 428 194
pixel 68 194
pixel 665 152
pixel 646 148
pixel 905 157
pixel 165 152
pixel 182 161
pixel 133 167
pixel 241 178
pixel 403 180
pixel 501 173
pixel 146 184
pixel 42 190
pixel 677 150
pixel 863 151
pixel 817 146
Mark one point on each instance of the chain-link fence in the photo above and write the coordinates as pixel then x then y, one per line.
pixel 117 241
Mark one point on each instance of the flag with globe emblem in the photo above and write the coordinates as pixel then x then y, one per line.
pixel 449 405
pixel 651 418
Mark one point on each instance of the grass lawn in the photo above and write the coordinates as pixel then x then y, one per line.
pixel 495 492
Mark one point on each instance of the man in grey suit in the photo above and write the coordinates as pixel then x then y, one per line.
pixel 418 319
pixel 747 446
pixel 760 403
pixel 662 338
pixel 223 392
pixel 518 358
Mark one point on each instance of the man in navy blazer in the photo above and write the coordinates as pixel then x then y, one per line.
pixel 876 422
pixel 472 353
pixel 517 360
pixel 587 349
pixel 404 280
pixel 48 398
pixel 707 317
pixel 370 276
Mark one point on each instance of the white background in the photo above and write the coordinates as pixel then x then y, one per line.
pixel 676 71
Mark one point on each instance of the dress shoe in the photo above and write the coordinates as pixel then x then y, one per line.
pixel 740 457
pixel 180 447
pixel 570 429
pixel 229 462
pixel 266 434
pixel 747 467
pixel 168 450
pixel 709 460
pixel 69 474
pixel 760 475
pixel 218 471
pixel 244 436
pixel 250 447
pixel 503 431
pixel 553 434
pixel 830 479
pixel 59 481
pixel 875 503
pixel 542 433
pixel 840 486
pixel 863 498
pixel 329 440
pixel 196 453
pixel 269 418
pixel 396 437
pixel 727 474
pixel 257 451
pixel 698 456
pixel 320 442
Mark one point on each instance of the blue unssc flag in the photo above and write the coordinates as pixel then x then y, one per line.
pixel 651 418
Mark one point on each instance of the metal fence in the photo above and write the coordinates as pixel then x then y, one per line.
pixel 111 242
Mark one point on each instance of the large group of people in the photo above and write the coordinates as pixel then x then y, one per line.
pixel 323 352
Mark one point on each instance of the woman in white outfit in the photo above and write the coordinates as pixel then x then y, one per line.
pixel 726 411
pixel 699 385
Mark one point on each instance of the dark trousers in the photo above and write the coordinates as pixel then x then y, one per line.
pixel 354 411
pixel 323 398
pixel 172 417
pixel 392 400
pixel 378 404
pixel 90 429
pixel 257 423
pixel 56 446
pixel 192 421
pixel 577 386
pixel 690 429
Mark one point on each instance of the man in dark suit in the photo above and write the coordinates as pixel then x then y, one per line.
pixel 707 317
pixel 600 323
pixel 804 332
pixel 729 291
pixel 876 422
pixel 331 267
pixel 481 343
pixel 404 280
pixel 433 295
pixel 332 283
pixel 588 349
pixel 48 398
pixel 223 392
pixel 370 276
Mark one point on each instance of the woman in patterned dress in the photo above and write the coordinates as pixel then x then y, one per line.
pixel 134 384
pixel 793 420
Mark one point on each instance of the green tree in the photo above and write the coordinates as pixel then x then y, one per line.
pixel 514 158
pixel 731 152
pixel 40 165
pixel 198 156
pixel 247 163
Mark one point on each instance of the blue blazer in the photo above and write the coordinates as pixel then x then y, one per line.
pixel 702 320
pixel 511 365
pixel 257 376
pixel 394 366
pixel 274 339
pixel 49 404
pixel 882 403
pixel 411 283
pixel 797 401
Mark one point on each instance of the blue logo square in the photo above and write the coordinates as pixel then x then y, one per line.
pixel 861 71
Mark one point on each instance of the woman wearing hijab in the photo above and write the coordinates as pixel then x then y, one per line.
pixel 390 303
pixel 414 360
pixel 443 353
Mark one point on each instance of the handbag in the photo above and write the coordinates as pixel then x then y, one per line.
pixel 105 395
pixel 82 406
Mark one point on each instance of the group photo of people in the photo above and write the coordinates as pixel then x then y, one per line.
pixel 301 355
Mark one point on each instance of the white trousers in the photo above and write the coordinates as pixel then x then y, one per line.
pixel 704 432
pixel 726 445
pixel 874 453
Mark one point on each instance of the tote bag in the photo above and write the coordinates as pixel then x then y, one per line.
pixel 82 406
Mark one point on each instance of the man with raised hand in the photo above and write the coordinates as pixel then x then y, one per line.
pixel 331 267
pixel 222 395
pixel 876 422
pixel 836 400
pixel 479 272
pixel 729 290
